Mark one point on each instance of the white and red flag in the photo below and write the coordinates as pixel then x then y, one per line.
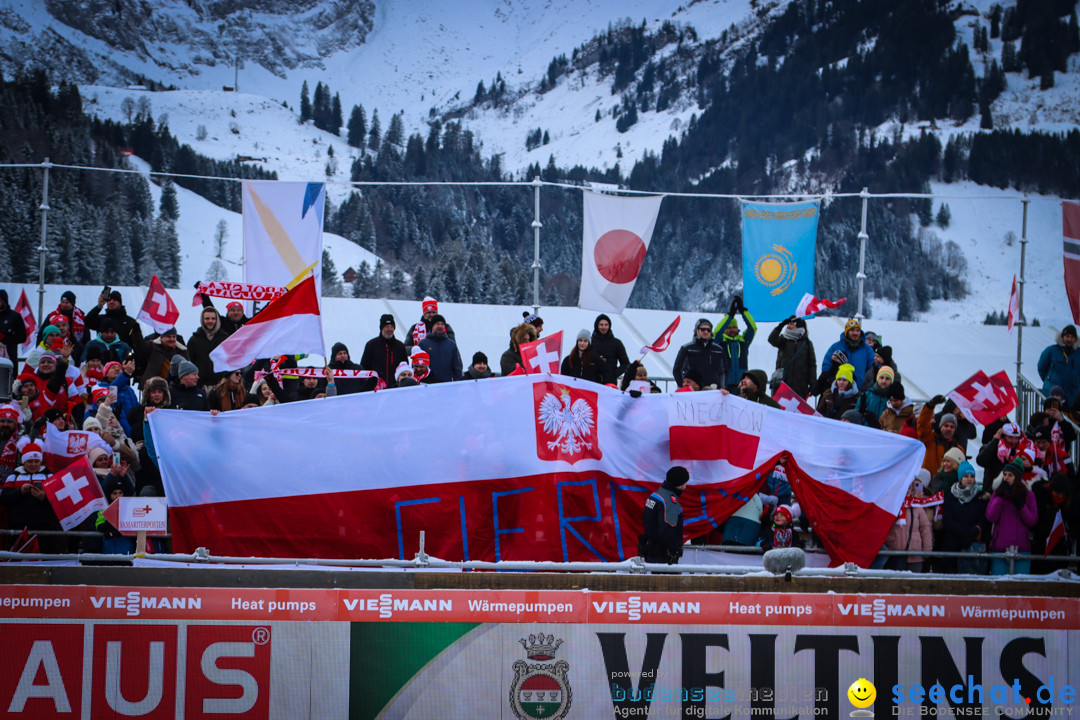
pixel 1014 305
pixel 74 493
pixel 792 401
pixel 63 447
pixel 616 235
pixel 158 309
pixel 543 355
pixel 810 305
pixel 661 343
pixel 984 399
pixel 553 468
pixel 1070 231
pixel 290 325
pixel 1057 534
pixel 23 308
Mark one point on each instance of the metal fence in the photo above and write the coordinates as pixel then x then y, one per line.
pixel 1030 401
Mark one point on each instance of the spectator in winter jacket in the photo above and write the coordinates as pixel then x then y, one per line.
pixel 419 330
pixel 229 392
pixel 113 307
pixel 582 362
pixel 937 440
pixel 796 363
pixel 851 349
pixel 736 346
pixel 874 399
pixel 609 349
pixel 964 525
pixel 662 532
pixel 340 360
pixel 704 356
pixel 883 357
pixel 1060 365
pixel 49 379
pixel 910 532
pixel 153 358
pixel 76 317
pixel 10 421
pixel 108 344
pixel 118 375
pixel 202 342
pixel 841 396
pixel 25 500
pixel 185 392
pixel 1013 512
pixel 12 330
pixel 948 475
pixel 60 321
pixel 899 410
pixel 50 344
pixel 234 317
pixel 752 387
pixel 1005 446
pixel 511 358
pixel 637 371
pixel 1052 497
pixel 443 352
pixel 782 533
pixel 384 352
pixel 478 369
pixel 154 395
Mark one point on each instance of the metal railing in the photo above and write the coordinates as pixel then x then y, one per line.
pixel 1030 401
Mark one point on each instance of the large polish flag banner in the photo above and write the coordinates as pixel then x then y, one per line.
pixel 616 236
pixel 283 231
pixel 290 325
pixel 520 468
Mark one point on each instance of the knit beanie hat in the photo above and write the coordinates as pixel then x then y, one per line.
pixel 896 390
pixel 1015 466
pixel 429 304
pixel 965 468
pixel 677 475
pixel 783 510
pixel 852 323
pixel 31 451
pixel 183 366
pixel 402 367
pixel 479 357
pixel 387 319
pixel 886 371
pixel 956 455
pixel 847 372
pixel 584 335
pixel 947 418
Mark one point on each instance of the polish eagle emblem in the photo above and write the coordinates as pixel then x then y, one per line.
pixel 569 421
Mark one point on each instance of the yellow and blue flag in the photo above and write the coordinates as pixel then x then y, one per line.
pixel 778 243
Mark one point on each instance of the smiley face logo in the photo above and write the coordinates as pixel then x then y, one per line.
pixel 862 693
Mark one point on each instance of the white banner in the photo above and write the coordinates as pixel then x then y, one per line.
pixel 283 229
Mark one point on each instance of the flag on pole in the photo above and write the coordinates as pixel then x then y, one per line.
pixel 1057 534
pixel 23 308
pixel 661 343
pixel 158 309
pixel 290 325
pixel 984 399
pixel 779 242
pixel 810 305
pixel 26 543
pixel 1014 304
pixel 283 232
pixel 543 355
pixel 616 236
pixel 1070 230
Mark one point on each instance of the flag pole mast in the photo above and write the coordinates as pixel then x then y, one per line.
pixel 1020 293
pixel 44 234
pixel 863 237
pixel 536 225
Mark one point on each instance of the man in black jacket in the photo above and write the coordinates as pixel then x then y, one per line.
pixel 127 328
pixel 12 330
pixel 662 539
pixel 703 355
pixel 384 352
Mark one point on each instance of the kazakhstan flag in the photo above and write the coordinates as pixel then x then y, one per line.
pixel 779 241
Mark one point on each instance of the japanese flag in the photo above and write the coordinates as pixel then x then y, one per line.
pixel 617 231
pixel 158 309
pixel 74 493
pixel 543 355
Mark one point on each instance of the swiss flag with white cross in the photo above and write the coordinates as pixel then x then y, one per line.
pixel 984 399
pixel 158 309
pixel 792 401
pixel 74 493
pixel 543 355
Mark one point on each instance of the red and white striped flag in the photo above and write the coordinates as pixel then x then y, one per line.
pixel 661 343
pixel 1014 304
pixel 1070 231
pixel 158 309
pixel 792 401
pixel 543 355
pixel 290 325
pixel 1057 534
pixel 23 308
pixel 810 305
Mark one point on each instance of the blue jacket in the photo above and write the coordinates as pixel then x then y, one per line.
pixel 445 358
pixel 737 348
pixel 125 401
pixel 861 356
pixel 1059 365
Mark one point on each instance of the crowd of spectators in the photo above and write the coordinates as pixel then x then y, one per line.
pixel 95 371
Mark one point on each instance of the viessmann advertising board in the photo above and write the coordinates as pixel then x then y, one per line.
pixel 110 652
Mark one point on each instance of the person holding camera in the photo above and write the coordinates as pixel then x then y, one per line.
pixel 662 538
pixel 111 305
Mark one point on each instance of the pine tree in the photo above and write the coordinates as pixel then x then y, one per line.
pixel 395 135
pixel 168 247
pixel 944 216
pixel 305 103
pixel 419 284
pixel 357 129
pixel 169 207
pixel 336 120
pixel 375 134
pixel 331 281
pixel 481 93
pixel 217 272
